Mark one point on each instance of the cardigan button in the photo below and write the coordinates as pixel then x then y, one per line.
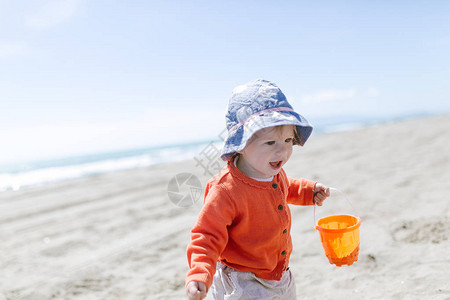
pixel 284 252
pixel 274 185
pixel 280 207
pixel 285 231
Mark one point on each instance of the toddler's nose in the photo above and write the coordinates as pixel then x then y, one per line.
pixel 282 150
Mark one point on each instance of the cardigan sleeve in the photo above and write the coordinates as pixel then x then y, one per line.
pixel 300 191
pixel 209 235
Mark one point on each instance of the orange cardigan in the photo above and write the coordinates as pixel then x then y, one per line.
pixel 245 224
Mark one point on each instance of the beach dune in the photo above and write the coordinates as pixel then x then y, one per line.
pixel 119 236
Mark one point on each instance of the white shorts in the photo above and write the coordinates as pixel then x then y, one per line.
pixel 230 284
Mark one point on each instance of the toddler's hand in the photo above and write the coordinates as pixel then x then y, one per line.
pixel 196 290
pixel 321 192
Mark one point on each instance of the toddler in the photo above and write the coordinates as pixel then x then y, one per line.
pixel 241 243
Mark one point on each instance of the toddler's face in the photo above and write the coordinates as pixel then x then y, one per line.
pixel 267 151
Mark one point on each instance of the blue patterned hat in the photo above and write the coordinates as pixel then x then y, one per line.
pixel 257 105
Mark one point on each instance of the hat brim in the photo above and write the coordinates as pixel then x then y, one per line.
pixel 237 139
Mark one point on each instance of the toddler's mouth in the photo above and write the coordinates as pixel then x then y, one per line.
pixel 276 164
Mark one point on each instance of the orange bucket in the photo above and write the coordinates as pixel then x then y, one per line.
pixel 340 237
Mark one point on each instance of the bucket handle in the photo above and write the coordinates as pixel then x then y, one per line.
pixel 339 191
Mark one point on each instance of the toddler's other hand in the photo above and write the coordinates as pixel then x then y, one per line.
pixel 321 192
pixel 196 290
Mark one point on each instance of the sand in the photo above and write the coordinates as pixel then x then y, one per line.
pixel 118 236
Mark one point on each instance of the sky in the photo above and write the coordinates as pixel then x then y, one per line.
pixel 83 76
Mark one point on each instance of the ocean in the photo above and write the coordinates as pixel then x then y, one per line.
pixel 33 173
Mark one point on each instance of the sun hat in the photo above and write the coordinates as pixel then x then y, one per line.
pixel 257 105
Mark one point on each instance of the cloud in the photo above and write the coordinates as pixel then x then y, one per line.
pixel 330 95
pixel 149 127
pixel 372 92
pixel 442 42
pixel 10 49
pixel 338 95
pixel 53 13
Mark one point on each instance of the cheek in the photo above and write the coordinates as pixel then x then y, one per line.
pixel 289 151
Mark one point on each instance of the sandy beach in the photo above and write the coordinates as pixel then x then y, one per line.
pixel 118 235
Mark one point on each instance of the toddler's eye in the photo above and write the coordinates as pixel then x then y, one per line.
pixel 289 140
pixel 270 143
